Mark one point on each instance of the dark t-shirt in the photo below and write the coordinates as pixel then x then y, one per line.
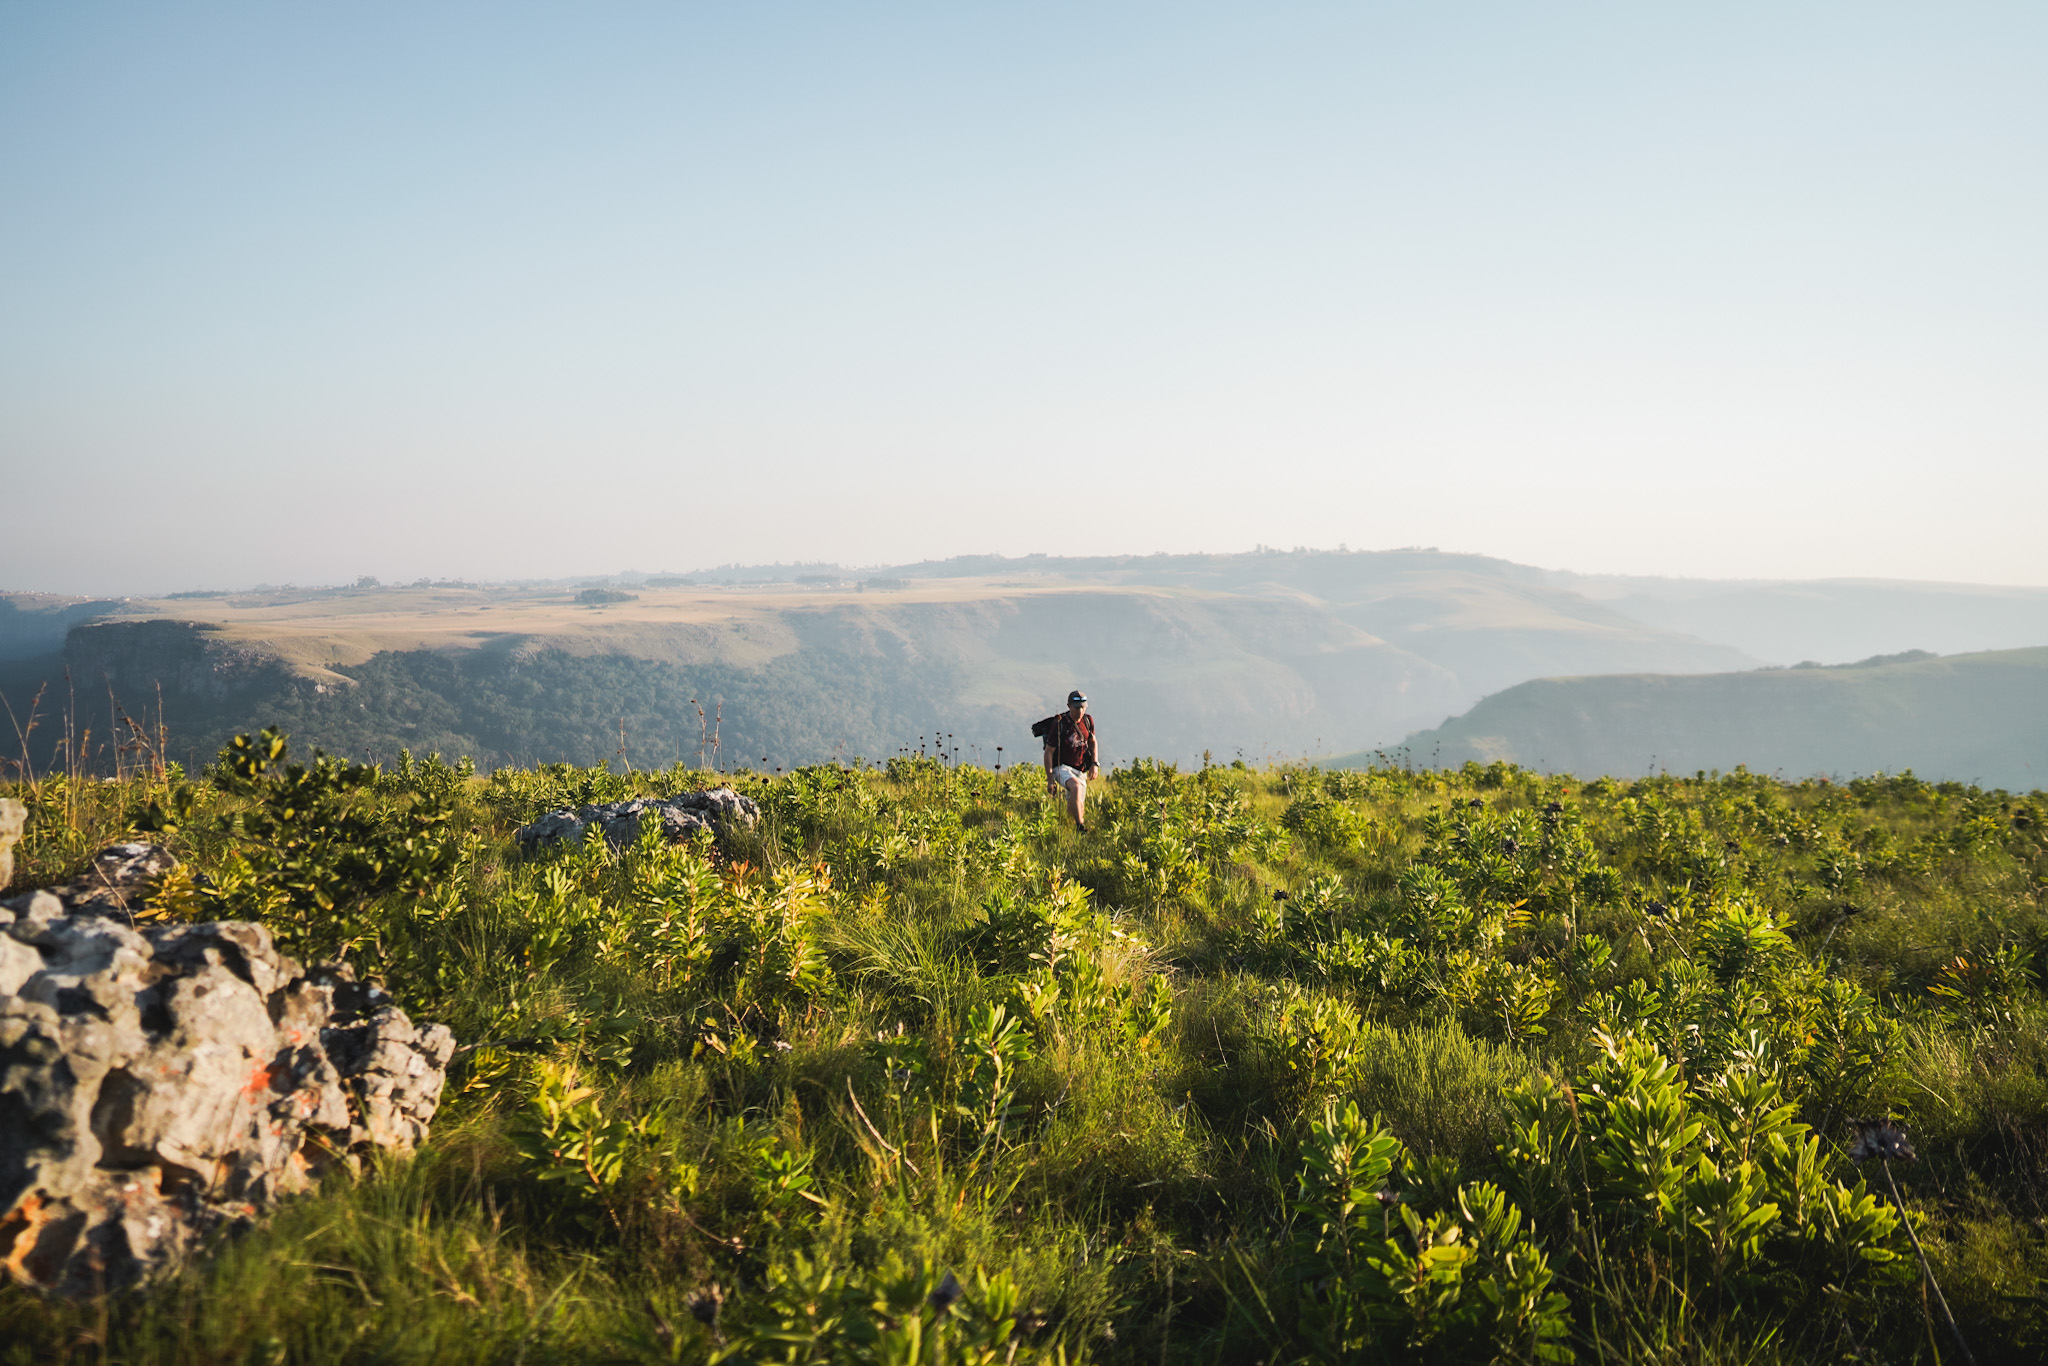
pixel 1073 742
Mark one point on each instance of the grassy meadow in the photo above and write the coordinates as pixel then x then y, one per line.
pixel 1270 1065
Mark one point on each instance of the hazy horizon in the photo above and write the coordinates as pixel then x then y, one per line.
pixel 1596 584
pixel 509 291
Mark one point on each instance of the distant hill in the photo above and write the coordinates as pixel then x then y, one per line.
pixel 1979 718
pixel 1261 654
pixel 1489 622
pixel 1831 621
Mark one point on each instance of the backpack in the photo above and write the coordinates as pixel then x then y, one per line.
pixel 1048 728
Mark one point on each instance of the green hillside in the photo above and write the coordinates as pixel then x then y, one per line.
pixel 1980 718
pixel 1277 1066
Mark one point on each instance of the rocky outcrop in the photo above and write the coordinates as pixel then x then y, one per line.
pixel 619 822
pixel 117 881
pixel 13 816
pixel 158 1082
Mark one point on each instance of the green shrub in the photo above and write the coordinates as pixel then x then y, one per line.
pixel 1271 1065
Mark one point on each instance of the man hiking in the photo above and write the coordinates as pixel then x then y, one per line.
pixel 1070 760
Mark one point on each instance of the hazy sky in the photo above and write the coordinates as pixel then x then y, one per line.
pixel 295 293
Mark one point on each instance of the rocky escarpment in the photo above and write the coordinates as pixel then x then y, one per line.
pixel 160 1082
pixel 681 817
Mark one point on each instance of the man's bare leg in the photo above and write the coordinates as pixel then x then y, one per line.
pixel 1077 802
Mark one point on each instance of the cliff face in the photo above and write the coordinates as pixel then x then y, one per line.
pixel 187 659
pixel 1972 718
pixel 1264 657
pixel 1171 675
pixel 1261 656
pixel 1258 669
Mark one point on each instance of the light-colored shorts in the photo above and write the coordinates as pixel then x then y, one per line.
pixel 1064 774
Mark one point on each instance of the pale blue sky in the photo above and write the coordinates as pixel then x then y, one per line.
pixel 296 293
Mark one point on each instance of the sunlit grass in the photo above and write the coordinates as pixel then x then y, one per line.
pixel 802 1028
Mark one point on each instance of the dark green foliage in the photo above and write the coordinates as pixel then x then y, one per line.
pixel 508 707
pixel 504 703
pixel 1271 1066
pixel 310 850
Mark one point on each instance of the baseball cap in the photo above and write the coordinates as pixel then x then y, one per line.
pixel 1076 696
